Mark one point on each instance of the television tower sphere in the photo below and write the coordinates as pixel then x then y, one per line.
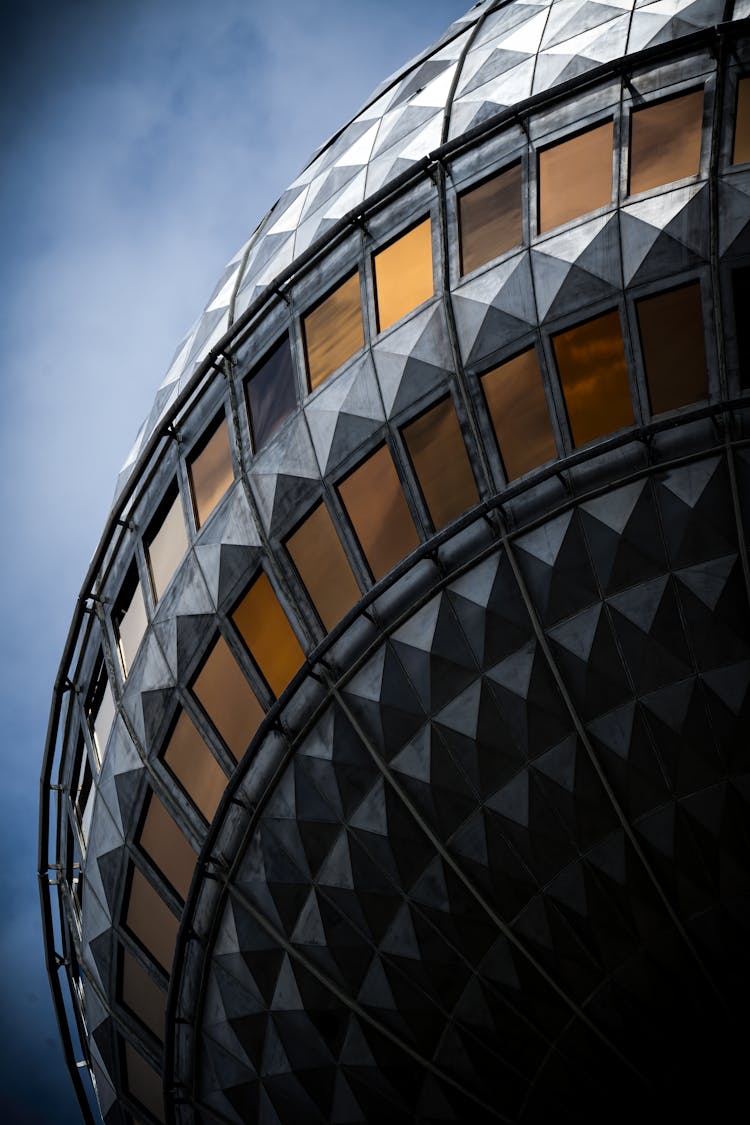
pixel 398 767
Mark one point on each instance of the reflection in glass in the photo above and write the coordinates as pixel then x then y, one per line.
pixel 333 331
pixel 490 219
pixel 130 620
pixel 518 409
pixel 665 142
pixel 317 553
pixel 379 513
pixel 101 711
pixel 151 921
pixel 84 792
pixel 594 376
pixel 741 152
pixel 271 394
pixel 575 176
pixel 166 544
pixel 195 767
pixel 142 995
pixel 143 1082
pixel 403 275
pixel 267 633
pixel 211 473
pixel 441 463
pixel 228 699
pixel 741 303
pixel 167 846
pixel 674 355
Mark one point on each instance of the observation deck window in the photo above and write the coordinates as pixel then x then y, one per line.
pixel 403 275
pixel 333 331
pixel 150 920
pixel 518 410
pixel 441 463
pixel 167 846
pixel 129 619
pixel 316 551
pixel 143 1082
pixel 210 471
pixel 674 353
pixel 271 394
pixel 266 631
pixel 166 543
pixel 227 698
pixel 141 995
pixel 665 141
pixel 575 176
pixel 594 376
pixel 194 766
pixel 490 218
pixel 741 149
pixel 377 508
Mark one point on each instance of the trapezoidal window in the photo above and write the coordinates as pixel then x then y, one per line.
pixel 674 353
pixel 129 619
pixel 518 409
pixel 271 394
pixel 264 628
pixel 665 141
pixel 441 463
pixel 594 377
pixel 380 516
pixel 316 551
pixel 141 995
pixel 194 766
pixel 403 275
pixel 210 471
pixel 575 176
pixel 741 303
pixel 100 710
pixel 143 1083
pixel 83 791
pixel 489 218
pixel 150 920
pixel 227 698
pixel 741 148
pixel 166 542
pixel 167 846
pixel 333 331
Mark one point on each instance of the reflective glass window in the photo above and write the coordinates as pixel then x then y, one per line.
pixel 166 544
pixel 375 503
pixel 741 151
pixel 151 921
pixel 403 275
pixel 227 698
pixel 101 710
pixel 518 409
pixel 333 331
pixel 674 354
pixel 441 463
pixel 271 394
pixel 490 218
pixel 142 995
pixel 266 631
pixel 84 792
pixel 129 619
pixel 594 376
pixel 211 472
pixel 167 846
pixel 194 766
pixel 741 302
pixel 317 553
pixel 143 1082
pixel 665 141
pixel 575 176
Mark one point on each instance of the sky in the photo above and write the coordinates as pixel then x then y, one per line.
pixel 141 141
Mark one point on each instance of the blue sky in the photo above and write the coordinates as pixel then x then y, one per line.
pixel 141 141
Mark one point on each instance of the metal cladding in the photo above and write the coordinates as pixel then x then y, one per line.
pixel 398 761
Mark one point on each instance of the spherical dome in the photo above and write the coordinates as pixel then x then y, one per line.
pixel 399 749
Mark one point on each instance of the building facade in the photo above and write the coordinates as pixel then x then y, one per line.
pixel 398 763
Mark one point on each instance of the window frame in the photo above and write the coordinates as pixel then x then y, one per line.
pixel 313 307
pixel 391 240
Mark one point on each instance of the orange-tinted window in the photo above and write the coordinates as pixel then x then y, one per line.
pixel 323 567
pixel 227 698
pixel 741 151
pixel 211 472
pixel 437 450
pixel 130 620
pixel 490 218
pixel 271 394
pixel 594 377
pixel 167 846
pixel 142 995
pixel 374 500
pixel 518 409
pixel 674 355
pixel 268 634
pixel 333 331
pixel 575 176
pixel 167 543
pixel 403 275
pixel 665 142
pixel 143 1083
pixel 151 921
pixel 194 766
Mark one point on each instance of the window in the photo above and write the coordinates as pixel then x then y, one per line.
pixel 228 700
pixel 403 275
pixel 100 710
pixel 741 302
pixel 129 619
pixel 211 472
pixel 333 331
pixel 518 409
pixel 490 219
pixel 266 631
pixel 665 141
pixel 594 376
pixel 271 394
pixel 166 543
pixel 741 151
pixel 150 920
pixel 143 1082
pixel 575 176
pixel 83 789
pixel 195 767
pixel 674 355
pixel 375 503
pixel 142 995
pixel 167 846
pixel 441 463
pixel 316 551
